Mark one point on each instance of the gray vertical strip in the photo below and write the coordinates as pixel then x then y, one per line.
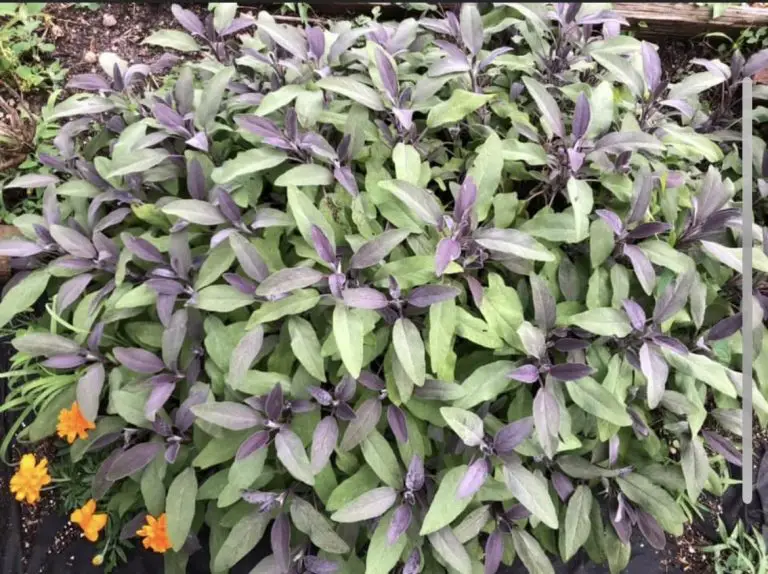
pixel 746 290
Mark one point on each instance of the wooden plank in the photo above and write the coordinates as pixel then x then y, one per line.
pixel 648 19
pixel 688 20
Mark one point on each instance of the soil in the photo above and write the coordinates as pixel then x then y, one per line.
pixel 32 516
pixel 81 30
pixel 700 533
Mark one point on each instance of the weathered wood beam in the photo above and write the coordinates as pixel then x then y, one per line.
pixel 678 20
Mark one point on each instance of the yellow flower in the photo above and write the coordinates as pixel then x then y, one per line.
pixel 155 533
pixel 98 560
pixel 72 424
pixel 30 478
pixel 89 521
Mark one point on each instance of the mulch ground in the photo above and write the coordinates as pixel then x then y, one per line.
pixel 118 28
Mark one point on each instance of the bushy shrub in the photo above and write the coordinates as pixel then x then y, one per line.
pixel 414 297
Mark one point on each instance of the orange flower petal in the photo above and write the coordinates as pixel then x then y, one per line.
pixel 155 534
pixel 73 425
pixel 29 478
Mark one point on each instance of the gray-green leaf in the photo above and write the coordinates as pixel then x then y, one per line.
pixel 180 507
pixel 362 425
pixel 194 211
pixel 409 348
pixel 577 523
pixel 306 346
pixel 531 492
pixel 530 552
pixel 248 162
pixel 695 467
pixel 456 108
pixel 366 506
pixel 485 384
pixel 210 101
pixel 604 321
pixel 381 458
pixel 451 550
pixel 348 334
pixel 466 424
pixel 382 557
pixel 23 295
pixel 306 174
pixel 291 453
pixel 599 401
pixel 174 39
pixel 655 500
pixel 419 200
pixel 446 505
pixel 352 89
pixel 243 537
pixel 312 523
pixel 513 242
pixel 550 112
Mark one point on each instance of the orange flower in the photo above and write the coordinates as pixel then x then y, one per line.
pixel 89 521
pixel 155 533
pixel 30 478
pixel 72 424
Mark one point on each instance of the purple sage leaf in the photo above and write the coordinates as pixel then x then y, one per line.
pixel 723 446
pixel 159 395
pixel 725 328
pixel 323 247
pixel 373 251
pixel 635 313
pixel 324 440
pixel 256 441
pixel 366 419
pixel 645 230
pixel 364 298
pixel 511 435
pixel 138 360
pixel 642 266
pixel 494 551
pixel 465 200
pixel 431 294
pixel 581 117
pixel 414 477
pixel 401 520
pixel 613 220
pixel 448 250
pixel 287 280
pixel 656 370
pixel 571 371
pixel 397 423
pixel 471 26
pixel 280 539
pixel 525 374
pixel 387 73
pixel 133 460
pixel 64 362
pixel 546 417
pixel 651 66
pixel 563 485
pixel 650 529
pixel 473 479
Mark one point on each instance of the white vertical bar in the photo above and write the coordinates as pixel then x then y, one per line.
pixel 746 290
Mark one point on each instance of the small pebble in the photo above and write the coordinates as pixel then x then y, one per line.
pixel 109 20
pixel 90 57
